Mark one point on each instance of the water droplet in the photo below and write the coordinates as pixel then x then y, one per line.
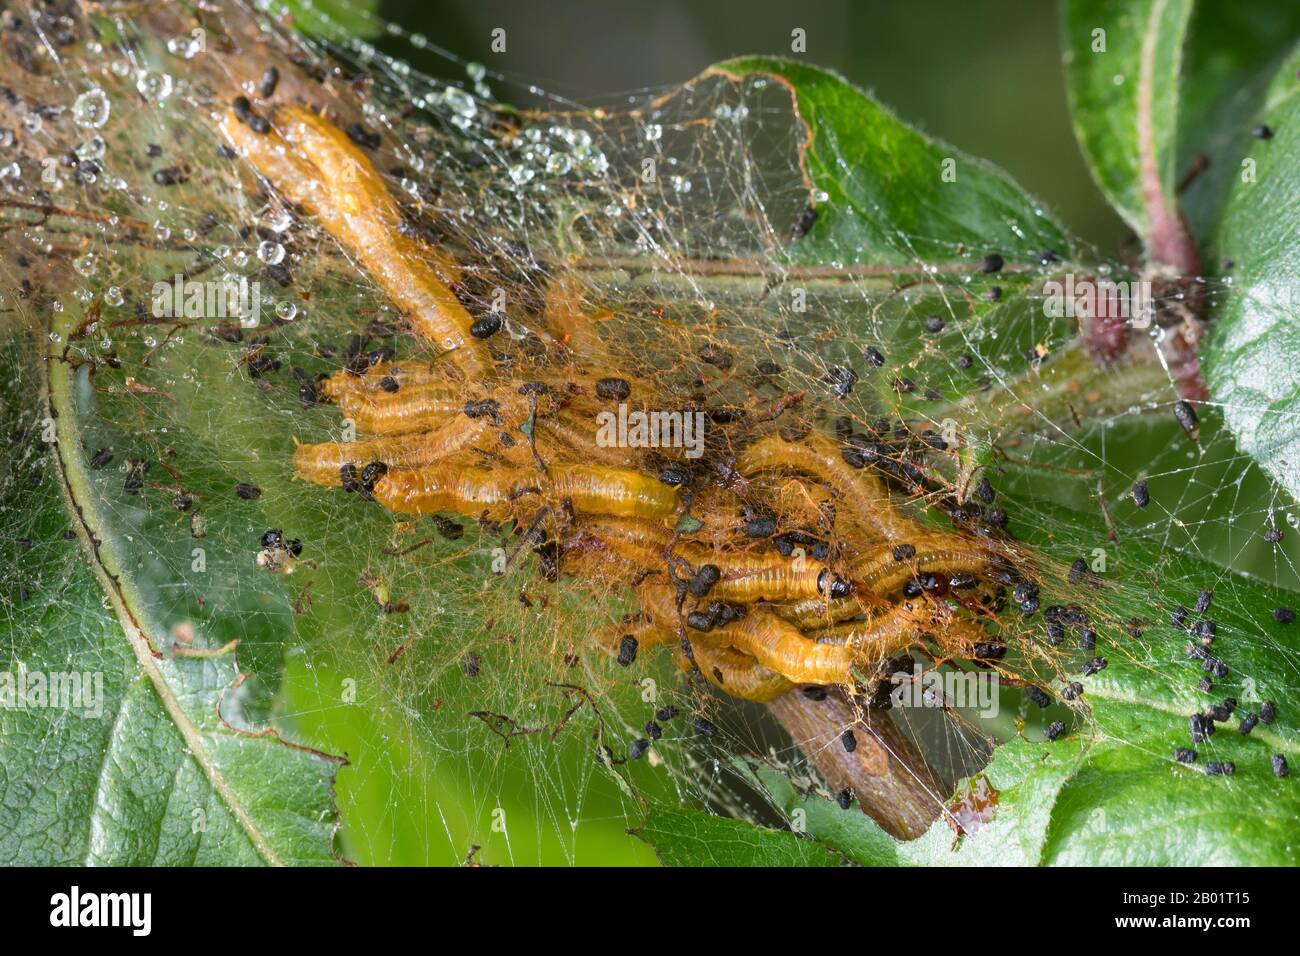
pixel 475 71
pixel 653 133
pixel 92 148
pixel 113 296
pixel 522 175
pixel 280 220
pixel 270 252
pixel 187 47
pixel 154 85
pixel 91 108
pixel 591 160
pixel 459 102
pixel 86 265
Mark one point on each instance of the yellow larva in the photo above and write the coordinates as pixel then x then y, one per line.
pixel 771 642
pixel 321 464
pixel 469 491
pixel 411 409
pixel 614 491
pixel 746 576
pixel 780 646
pixel 821 457
pixel 404 373
pixel 736 673
pixel 882 573
pixel 317 167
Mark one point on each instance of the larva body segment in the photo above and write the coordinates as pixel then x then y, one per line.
pixel 780 646
pixel 815 612
pixel 619 492
pixel 766 580
pixel 881 636
pixel 883 572
pixel 638 542
pixel 403 374
pixel 735 673
pixel 322 463
pixel 822 458
pixel 745 576
pixel 290 173
pixel 762 636
pixel 572 440
pixel 465 491
pixel 407 410
pixel 469 491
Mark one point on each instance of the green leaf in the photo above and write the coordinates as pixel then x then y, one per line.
pixel 1027 778
pixel 892 195
pixel 321 659
pixel 335 20
pixel 848 832
pixel 1232 53
pixel 1110 791
pixel 1252 362
pixel 696 838
pixel 133 765
pixel 1122 64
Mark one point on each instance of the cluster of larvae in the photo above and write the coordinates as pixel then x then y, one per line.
pixel 779 558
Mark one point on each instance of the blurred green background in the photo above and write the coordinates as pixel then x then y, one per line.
pixel 984 76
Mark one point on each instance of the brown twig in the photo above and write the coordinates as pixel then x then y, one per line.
pixel 890 778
